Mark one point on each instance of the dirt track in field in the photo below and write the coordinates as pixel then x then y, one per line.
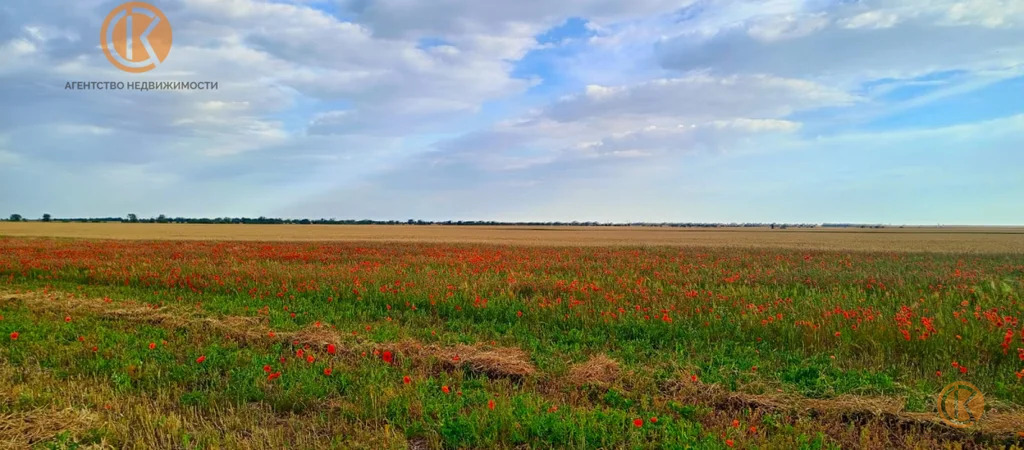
pixel 953 239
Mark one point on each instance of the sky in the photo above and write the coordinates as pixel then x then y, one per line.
pixel 809 111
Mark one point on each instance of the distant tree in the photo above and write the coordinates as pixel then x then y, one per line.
pixel 161 219
pixel 133 218
pixel 46 217
pixel 15 217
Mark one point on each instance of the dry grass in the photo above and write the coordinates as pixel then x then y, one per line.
pixel 599 370
pixel 500 362
pixel 158 420
pixel 495 362
pixel 25 429
pixel 851 408
pixel 955 239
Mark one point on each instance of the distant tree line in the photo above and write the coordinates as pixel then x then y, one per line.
pixel 851 225
pixel 134 218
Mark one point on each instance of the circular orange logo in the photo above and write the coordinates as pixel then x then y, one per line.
pixel 961 404
pixel 136 37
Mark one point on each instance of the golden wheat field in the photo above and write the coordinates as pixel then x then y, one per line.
pixel 928 239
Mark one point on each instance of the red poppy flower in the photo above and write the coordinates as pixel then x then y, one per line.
pixel 638 423
pixel 200 359
pixel 152 345
pixel 729 442
pixel 310 359
pixel 445 389
pixel 266 368
pixel 387 357
pixel 490 404
pixel 327 370
pixel 693 378
pixel 406 380
pixel 331 349
pixel 273 376
pixel 67 319
pixel 735 423
pixel 95 349
pixel 654 420
pixel 14 335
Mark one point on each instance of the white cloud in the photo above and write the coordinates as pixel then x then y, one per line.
pixel 14 53
pixel 450 18
pixel 701 97
pixel 987 13
pixel 871 19
pixel 385 80
pixel 719 135
pixel 858 41
pixel 74 128
pixel 776 28
pixel 692 114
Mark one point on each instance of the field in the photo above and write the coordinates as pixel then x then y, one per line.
pixel 914 239
pixel 173 336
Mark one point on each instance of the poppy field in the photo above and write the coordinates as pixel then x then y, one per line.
pixel 214 344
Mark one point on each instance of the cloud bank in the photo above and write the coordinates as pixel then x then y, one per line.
pixel 706 110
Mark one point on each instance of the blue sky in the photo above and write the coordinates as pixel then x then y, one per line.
pixel 900 112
